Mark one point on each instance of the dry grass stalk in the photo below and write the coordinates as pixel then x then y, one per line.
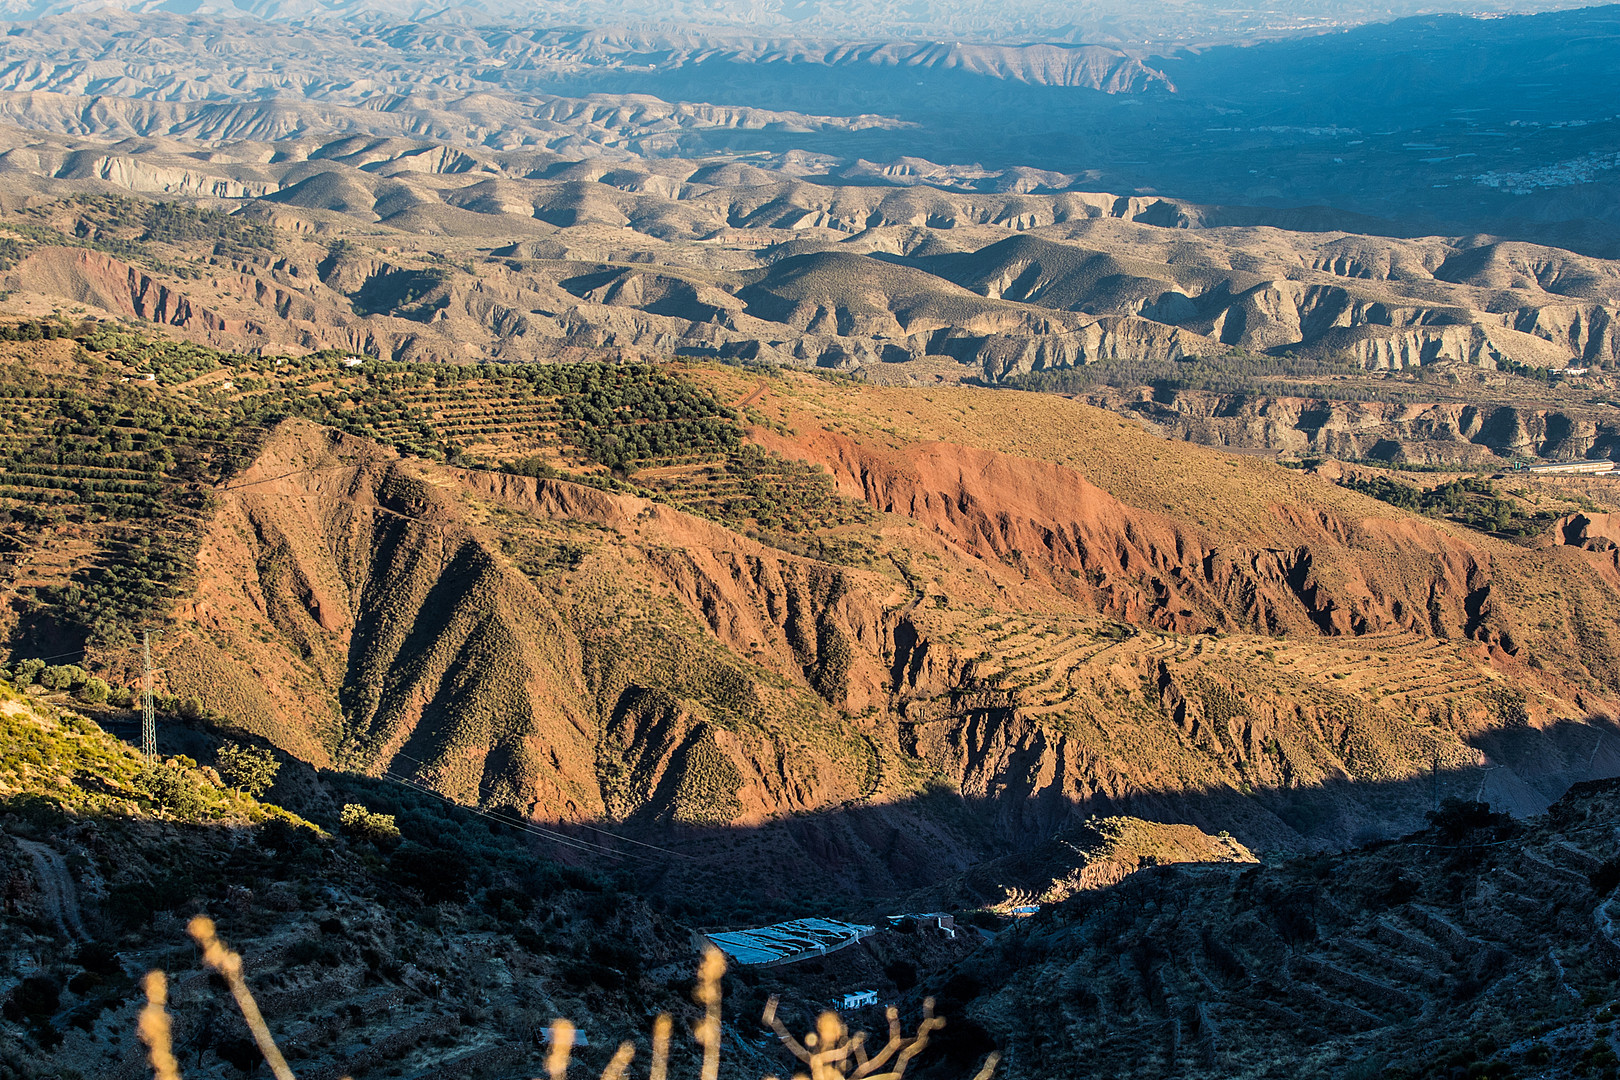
pixel 621 1061
pixel 154 1028
pixel 989 1068
pixel 707 994
pixel 660 1047
pixel 562 1046
pixel 834 1054
pixel 229 966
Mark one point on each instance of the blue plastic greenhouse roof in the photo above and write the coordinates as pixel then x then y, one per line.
pixel 781 941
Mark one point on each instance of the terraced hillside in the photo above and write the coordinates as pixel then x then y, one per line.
pixel 890 630
pixel 1480 947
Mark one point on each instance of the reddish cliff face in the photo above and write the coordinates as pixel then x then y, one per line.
pixel 1049 522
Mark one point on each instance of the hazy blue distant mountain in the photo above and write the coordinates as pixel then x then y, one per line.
pixel 1440 123
pixel 1122 22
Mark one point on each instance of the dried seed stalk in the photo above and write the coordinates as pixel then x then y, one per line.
pixel 229 966
pixel 562 1045
pixel 621 1061
pixel 707 994
pixel 660 1047
pixel 833 1054
pixel 154 1028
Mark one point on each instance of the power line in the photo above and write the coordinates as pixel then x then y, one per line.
pixel 593 828
pixel 525 826
pixel 415 786
pixel 59 656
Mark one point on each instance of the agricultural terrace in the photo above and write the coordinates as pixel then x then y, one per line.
pixel 171 238
pixel 105 479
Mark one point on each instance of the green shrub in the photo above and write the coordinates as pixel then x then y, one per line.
pixel 1458 819
pixel 359 822
pixel 249 769
pixel 169 787
pixel 62 677
pixel 439 874
pixel 27 672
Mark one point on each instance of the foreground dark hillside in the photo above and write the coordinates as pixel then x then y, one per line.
pixel 1482 947
pixel 433 943
pixel 416 939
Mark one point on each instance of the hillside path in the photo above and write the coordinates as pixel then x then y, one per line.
pixel 752 396
pixel 61 895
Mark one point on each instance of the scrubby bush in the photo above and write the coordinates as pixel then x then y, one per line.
pixel 168 785
pixel 1474 501
pixel 1606 878
pixel 439 874
pixel 35 996
pixel 903 973
pixel 249 769
pixel 94 691
pixel 361 823
pixel 531 466
pixel 99 958
pixel 132 904
pixel 1458 819
pixel 62 676
pixel 282 837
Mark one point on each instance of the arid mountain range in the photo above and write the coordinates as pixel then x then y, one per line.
pixel 1015 21
pixel 413 250
pixel 765 264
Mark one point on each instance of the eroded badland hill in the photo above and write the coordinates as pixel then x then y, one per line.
pixel 821 645
pixel 813 607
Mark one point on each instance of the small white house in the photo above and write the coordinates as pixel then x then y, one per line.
pixel 860 999
pixel 943 921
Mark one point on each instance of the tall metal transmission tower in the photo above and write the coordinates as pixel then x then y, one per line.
pixel 148 715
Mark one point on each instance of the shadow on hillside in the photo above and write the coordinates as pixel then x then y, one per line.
pixel 856 859
pixel 849 858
